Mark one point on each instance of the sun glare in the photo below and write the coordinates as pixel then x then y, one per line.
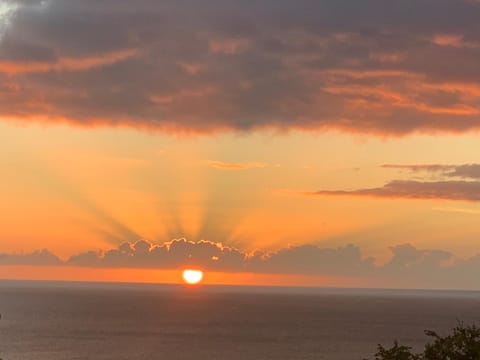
pixel 192 276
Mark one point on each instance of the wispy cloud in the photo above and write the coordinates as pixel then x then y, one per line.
pixel 466 171
pixel 420 167
pixel 457 210
pixel 409 189
pixel 236 166
pixel 67 64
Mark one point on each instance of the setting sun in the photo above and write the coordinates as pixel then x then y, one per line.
pixel 192 276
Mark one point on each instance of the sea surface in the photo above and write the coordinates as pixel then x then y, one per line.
pixel 62 321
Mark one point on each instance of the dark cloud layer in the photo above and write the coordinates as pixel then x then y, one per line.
pixel 407 265
pixel 306 259
pixel 410 189
pixel 370 66
pixel 39 257
pixel 168 255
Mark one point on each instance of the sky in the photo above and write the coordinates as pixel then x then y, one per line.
pixel 326 142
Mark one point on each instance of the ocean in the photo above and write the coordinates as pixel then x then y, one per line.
pixel 63 321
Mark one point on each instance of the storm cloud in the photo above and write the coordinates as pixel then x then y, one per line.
pixel 372 67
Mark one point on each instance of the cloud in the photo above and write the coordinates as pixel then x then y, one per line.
pixel 311 259
pixel 465 171
pixel 407 257
pixel 305 259
pixel 172 254
pixel 409 189
pixel 7 10
pixel 236 166
pixel 39 257
pixel 457 210
pixel 407 266
pixel 229 46
pixel 444 188
pixel 419 167
pixel 66 64
pixel 236 66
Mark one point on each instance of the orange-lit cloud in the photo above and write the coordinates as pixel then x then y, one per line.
pixel 280 69
pixel 66 64
pixel 453 40
pixel 448 40
pixel 229 46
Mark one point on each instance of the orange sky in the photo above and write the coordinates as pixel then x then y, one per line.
pixel 261 129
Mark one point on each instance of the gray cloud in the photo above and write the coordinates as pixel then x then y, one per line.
pixel 229 65
pixel 407 266
pixel 420 167
pixel 406 257
pixel 466 171
pixel 304 259
pixel 39 257
pixel 311 259
pixel 409 189
pixel 175 253
pixel 430 268
pixel 471 171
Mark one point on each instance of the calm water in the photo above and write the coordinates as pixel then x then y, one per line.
pixel 59 322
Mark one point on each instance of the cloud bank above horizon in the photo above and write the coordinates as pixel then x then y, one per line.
pixel 406 266
pixel 368 67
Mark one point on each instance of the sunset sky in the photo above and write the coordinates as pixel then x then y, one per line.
pixel 331 142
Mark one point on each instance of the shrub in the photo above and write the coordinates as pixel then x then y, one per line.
pixel 462 344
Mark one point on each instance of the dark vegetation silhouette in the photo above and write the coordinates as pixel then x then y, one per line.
pixel 462 344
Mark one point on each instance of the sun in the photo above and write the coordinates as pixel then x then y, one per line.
pixel 192 277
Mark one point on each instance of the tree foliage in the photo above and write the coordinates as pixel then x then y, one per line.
pixel 462 344
pixel 397 352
